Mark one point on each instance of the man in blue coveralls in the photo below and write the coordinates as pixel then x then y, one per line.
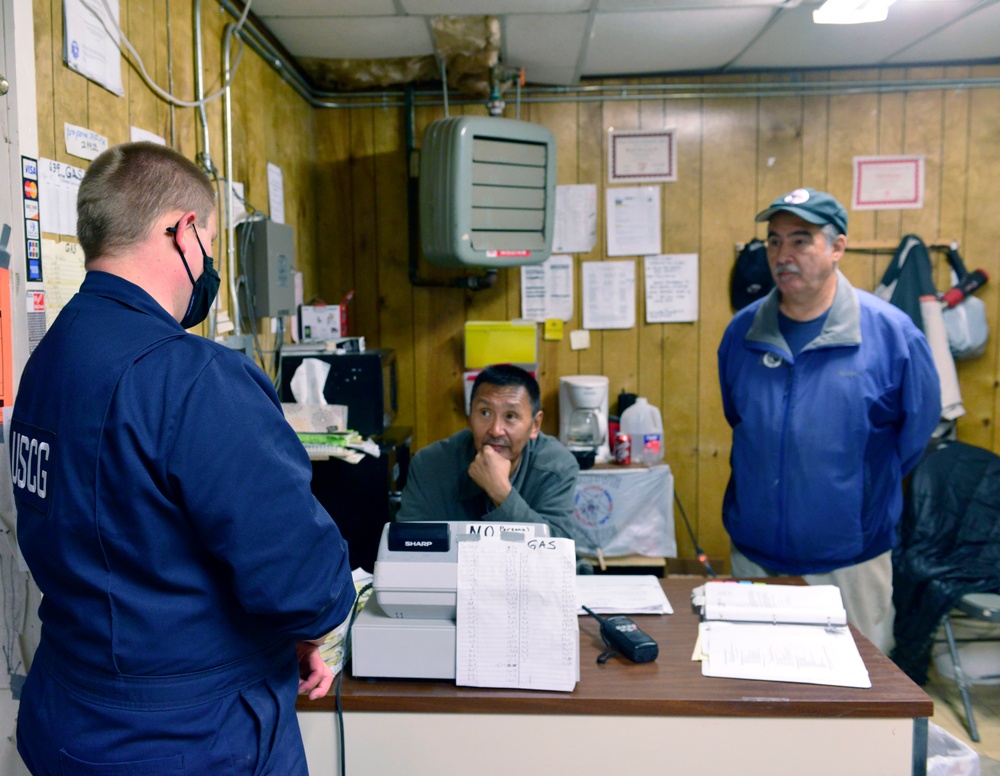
pixel 164 509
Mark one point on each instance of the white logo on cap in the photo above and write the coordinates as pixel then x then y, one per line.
pixel 797 197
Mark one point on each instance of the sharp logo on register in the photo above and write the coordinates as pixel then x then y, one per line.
pixel 418 544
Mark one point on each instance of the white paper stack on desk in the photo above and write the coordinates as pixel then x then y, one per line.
pixel 783 633
pixel 625 594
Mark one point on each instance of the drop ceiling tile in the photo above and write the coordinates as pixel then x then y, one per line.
pixel 673 5
pixel 664 41
pixel 543 44
pixel 794 41
pixel 976 36
pixel 545 75
pixel 353 38
pixel 264 9
pixel 492 7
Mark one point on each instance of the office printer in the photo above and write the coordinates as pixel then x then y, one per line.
pixel 407 628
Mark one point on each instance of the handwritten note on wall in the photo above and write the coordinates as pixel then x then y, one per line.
pixel 58 184
pixel 671 282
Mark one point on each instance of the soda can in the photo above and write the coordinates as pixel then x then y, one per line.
pixel 623 449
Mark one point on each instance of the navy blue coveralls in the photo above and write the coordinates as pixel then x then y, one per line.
pixel 164 510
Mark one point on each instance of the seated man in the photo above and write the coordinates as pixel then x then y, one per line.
pixel 502 468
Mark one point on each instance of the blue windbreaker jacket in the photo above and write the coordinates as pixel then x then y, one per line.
pixel 822 441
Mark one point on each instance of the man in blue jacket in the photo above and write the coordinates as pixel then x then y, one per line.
pixel 832 395
pixel 164 509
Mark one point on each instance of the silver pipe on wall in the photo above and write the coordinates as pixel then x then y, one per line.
pixel 204 156
pixel 227 149
pixel 170 78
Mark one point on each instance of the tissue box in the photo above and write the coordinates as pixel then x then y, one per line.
pixel 315 418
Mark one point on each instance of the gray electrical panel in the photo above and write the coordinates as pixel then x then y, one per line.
pixel 266 249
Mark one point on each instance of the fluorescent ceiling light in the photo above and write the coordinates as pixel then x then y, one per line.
pixel 852 11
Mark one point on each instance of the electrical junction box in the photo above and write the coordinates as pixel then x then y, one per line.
pixel 487 192
pixel 266 250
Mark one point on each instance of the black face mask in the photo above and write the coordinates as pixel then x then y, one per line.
pixel 206 287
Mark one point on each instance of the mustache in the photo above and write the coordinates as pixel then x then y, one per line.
pixel 495 442
pixel 787 268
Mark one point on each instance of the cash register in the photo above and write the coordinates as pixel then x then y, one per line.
pixel 407 628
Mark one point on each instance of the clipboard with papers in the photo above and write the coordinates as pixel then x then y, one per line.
pixel 785 633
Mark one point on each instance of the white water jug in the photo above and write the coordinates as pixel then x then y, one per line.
pixel 643 423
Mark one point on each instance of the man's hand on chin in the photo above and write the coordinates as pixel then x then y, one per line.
pixel 491 472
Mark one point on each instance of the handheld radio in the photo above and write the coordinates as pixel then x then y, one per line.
pixel 622 635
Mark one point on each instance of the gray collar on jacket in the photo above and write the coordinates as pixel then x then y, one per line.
pixel 842 325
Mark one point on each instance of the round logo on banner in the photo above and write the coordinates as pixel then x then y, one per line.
pixel 593 506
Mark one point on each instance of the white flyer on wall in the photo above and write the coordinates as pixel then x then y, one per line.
pixel 671 282
pixel 633 221
pixel 90 41
pixel 276 193
pixel 547 289
pixel 64 273
pixel 137 134
pixel 608 294
pixel 575 229
pixel 83 142
pixel 58 184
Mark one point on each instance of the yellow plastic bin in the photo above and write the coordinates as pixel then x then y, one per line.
pixel 500 342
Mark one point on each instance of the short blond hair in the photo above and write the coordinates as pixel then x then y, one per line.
pixel 128 187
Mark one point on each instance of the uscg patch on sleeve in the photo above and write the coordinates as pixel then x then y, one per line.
pixel 31 455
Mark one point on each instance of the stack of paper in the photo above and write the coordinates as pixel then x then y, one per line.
pixel 626 594
pixel 801 604
pixel 334 648
pixel 779 633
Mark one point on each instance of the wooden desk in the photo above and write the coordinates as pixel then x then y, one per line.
pixel 663 715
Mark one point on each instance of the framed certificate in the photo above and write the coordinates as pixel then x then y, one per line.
pixel 888 182
pixel 642 156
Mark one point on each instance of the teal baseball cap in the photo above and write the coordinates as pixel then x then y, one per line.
pixel 816 207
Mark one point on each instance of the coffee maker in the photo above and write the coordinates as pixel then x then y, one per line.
pixel 583 418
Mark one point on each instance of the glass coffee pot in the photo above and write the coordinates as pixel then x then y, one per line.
pixel 585 428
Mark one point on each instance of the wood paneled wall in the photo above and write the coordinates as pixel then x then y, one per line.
pixel 271 122
pixel 735 155
pixel 345 173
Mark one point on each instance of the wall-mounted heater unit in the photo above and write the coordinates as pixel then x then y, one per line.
pixel 487 192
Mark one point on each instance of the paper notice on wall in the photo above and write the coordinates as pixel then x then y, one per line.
pixel 276 193
pixel 576 219
pixel 136 135
pixel 671 282
pixel 64 273
pixel 633 221
pixel 36 318
pixel 608 294
pixel 90 41
pixel 83 142
pixel 547 289
pixel 58 184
